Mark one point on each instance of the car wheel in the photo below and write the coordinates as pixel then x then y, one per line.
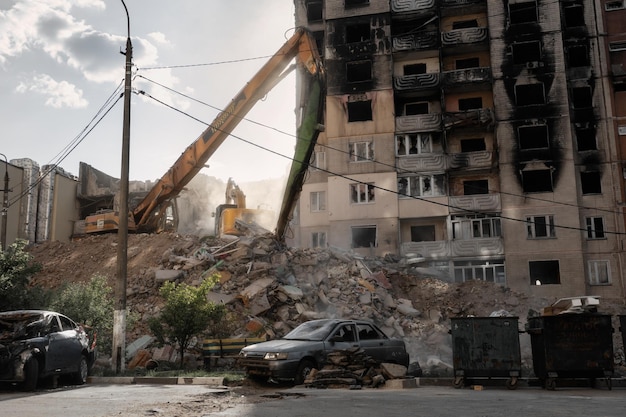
pixel 80 377
pixel 31 374
pixel 305 367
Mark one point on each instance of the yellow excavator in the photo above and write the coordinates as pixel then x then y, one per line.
pixel 149 214
pixel 234 209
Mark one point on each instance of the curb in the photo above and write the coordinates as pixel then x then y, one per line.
pixel 129 380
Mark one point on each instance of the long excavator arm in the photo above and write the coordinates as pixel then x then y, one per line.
pixel 300 46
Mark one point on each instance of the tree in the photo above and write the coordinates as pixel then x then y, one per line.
pixel 16 268
pixel 186 313
pixel 90 303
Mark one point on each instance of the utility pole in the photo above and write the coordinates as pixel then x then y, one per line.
pixel 119 314
pixel 5 204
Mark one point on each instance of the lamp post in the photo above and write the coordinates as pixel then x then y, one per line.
pixel 5 203
pixel 119 314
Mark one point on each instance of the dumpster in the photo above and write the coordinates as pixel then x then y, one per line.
pixel 485 347
pixel 571 346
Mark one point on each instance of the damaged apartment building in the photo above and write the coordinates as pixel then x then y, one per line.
pixel 482 139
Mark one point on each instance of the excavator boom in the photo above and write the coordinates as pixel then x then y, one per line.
pixel 300 46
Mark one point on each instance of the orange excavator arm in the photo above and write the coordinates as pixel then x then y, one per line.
pixel 300 46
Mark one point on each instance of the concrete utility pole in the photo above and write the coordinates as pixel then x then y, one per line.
pixel 5 203
pixel 119 315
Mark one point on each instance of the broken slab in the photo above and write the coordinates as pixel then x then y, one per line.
pixel 138 344
pixel 292 292
pixel 165 275
pixel 219 298
pixel 256 287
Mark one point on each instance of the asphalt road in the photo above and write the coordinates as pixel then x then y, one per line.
pixel 201 401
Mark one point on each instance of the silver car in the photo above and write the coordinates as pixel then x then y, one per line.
pixel 306 347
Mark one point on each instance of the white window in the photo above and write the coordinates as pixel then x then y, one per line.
pixel 421 185
pixel 319 160
pixel 361 152
pixel 362 193
pixel 490 271
pixel 318 201
pixel 595 227
pixel 318 239
pixel 476 226
pixel 413 143
pixel 540 227
pixel 599 272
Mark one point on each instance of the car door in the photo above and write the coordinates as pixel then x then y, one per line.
pixel 64 347
pixel 373 342
pixel 343 337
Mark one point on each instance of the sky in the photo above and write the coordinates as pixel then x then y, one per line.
pixel 61 63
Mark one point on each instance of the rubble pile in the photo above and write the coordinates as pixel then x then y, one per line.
pixel 273 288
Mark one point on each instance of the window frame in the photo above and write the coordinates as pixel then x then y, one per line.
pixel 466 227
pixel 315 239
pixel 553 262
pixel 319 161
pixel 461 270
pixel 354 153
pixel 360 196
pixel 593 233
pixel 531 227
pixel 419 182
pixel 594 271
pixel 423 143
pixel 317 201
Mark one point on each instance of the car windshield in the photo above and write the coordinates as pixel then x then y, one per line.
pixel 311 330
pixel 20 326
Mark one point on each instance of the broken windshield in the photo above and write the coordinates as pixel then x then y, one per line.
pixel 311 330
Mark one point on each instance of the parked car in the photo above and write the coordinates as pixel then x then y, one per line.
pixel 36 344
pixel 306 347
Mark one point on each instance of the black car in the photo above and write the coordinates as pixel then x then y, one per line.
pixel 306 347
pixel 36 344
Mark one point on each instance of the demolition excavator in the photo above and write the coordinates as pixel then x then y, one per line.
pixel 150 214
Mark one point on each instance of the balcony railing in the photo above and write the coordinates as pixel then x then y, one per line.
pixel 465 160
pixel 467 76
pixel 419 123
pixel 411 6
pixel 446 249
pixel 415 41
pixel 464 36
pixel 476 117
pixel 476 202
pixel 423 162
pixel 416 82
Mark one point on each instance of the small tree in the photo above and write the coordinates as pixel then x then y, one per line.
pixel 16 268
pixel 187 312
pixel 90 303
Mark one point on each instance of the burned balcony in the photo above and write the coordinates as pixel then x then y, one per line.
pixel 465 36
pixel 415 41
pixel 471 160
pixel 467 76
pixel 412 6
pixel 419 123
pixel 416 82
pixel 470 118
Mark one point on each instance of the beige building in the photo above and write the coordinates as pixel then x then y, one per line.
pixel 476 134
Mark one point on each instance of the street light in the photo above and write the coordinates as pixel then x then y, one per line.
pixel 5 203
pixel 119 315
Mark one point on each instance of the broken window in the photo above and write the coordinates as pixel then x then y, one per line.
pixel 358 32
pixel 318 201
pixel 533 137
pixel 574 15
pixel 359 111
pixel 465 24
pixel 538 227
pixel 318 239
pixel 544 272
pixel 467 63
pixel 412 109
pixel 611 5
pixel 414 69
pixel 595 227
pixel 358 71
pixel 361 152
pixel 524 52
pixel 313 11
pixel 361 193
pixel 364 237
pixel 582 97
pixel 423 233
pixel 529 94
pixel 617 46
pixel 490 271
pixel 537 181
pixel 319 160
pixel 476 226
pixel 319 42
pixel 473 145
pixel 471 103
pixel 577 56
pixel 586 138
pixel 421 185
pixel 471 187
pixel 413 143
pixel 525 12
pixel 590 182
pixel 599 272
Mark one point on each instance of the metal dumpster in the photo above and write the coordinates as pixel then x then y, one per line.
pixel 571 346
pixel 485 347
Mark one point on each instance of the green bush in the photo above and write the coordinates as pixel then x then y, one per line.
pixel 16 269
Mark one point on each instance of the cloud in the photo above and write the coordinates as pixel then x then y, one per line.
pixel 158 37
pixel 59 93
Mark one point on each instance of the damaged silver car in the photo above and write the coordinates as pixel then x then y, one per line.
pixel 37 344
